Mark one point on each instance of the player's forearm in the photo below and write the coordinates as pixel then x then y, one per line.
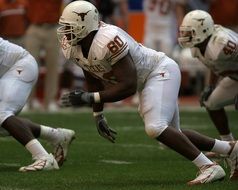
pixel 100 95
pixel 98 98
pixel 118 92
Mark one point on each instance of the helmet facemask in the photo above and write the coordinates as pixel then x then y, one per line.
pixel 187 34
pixel 70 32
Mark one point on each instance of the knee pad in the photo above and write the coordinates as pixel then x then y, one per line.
pixel 154 131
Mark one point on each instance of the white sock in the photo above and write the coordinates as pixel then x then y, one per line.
pixel 221 147
pixel 36 149
pixel 201 160
pixel 50 134
pixel 228 137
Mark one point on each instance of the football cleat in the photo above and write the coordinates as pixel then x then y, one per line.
pixel 233 162
pixel 60 149
pixel 45 163
pixel 208 173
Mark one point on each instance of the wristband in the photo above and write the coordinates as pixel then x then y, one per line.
pixel 95 114
pixel 96 97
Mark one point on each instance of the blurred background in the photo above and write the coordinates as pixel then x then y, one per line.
pixel 32 24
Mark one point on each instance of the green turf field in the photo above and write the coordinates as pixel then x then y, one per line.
pixel 134 162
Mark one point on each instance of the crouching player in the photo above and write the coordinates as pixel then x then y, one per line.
pixel 18 74
pixel 115 67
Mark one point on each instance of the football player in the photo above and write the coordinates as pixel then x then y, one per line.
pixel 217 48
pixel 18 74
pixel 160 18
pixel 115 67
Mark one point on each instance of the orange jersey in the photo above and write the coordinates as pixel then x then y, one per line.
pixel 224 12
pixel 13 18
pixel 44 11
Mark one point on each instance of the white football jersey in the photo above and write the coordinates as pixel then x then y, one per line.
pixel 160 28
pixel 9 54
pixel 160 12
pixel 109 45
pixel 221 55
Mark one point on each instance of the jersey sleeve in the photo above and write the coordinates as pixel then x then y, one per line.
pixel 222 47
pixel 118 48
pixel 113 46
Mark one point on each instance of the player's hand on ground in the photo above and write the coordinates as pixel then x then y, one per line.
pixel 103 129
pixel 205 94
pixel 76 98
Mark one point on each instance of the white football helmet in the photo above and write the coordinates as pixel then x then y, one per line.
pixel 197 26
pixel 78 19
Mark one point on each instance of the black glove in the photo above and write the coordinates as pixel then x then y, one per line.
pixel 77 98
pixel 103 128
pixel 205 94
pixel 236 102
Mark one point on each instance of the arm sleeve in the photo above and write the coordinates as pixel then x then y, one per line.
pixel 116 48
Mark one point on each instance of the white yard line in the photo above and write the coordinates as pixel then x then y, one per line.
pixel 121 145
pixel 10 165
pixel 11 188
pixel 6 139
pixel 115 162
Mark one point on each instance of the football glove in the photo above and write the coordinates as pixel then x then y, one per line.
pixel 103 129
pixel 205 94
pixel 76 98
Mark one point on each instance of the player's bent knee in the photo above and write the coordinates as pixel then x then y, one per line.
pixel 154 131
pixel 212 106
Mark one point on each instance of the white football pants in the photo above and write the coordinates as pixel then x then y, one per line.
pixel 16 85
pixel 158 101
pixel 223 95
